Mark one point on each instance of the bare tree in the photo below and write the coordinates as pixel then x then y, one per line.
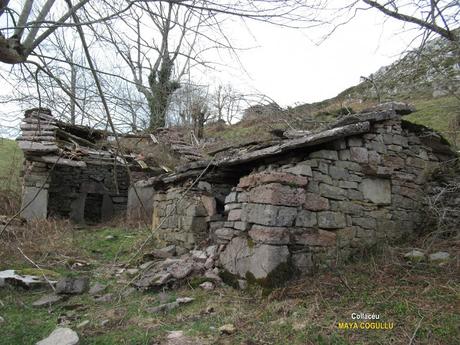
pixel 157 62
pixel 439 17
pixel 26 27
pixel 435 16
pixel 190 106
pixel 29 29
pixel 226 103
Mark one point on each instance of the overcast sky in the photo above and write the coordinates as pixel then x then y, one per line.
pixel 291 67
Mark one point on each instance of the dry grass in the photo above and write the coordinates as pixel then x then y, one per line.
pixel 44 241
pixel 10 201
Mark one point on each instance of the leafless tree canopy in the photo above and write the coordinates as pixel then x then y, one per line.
pixel 144 50
pixel 141 51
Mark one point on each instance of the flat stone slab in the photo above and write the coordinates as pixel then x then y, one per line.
pixel 61 336
pixel 170 306
pixel 48 300
pixel 260 260
pixel 72 286
pixel 164 253
pixel 10 277
pixel 178 338
pixel 414 256
pixel 439 257
pixel 377 190
pixel 97 288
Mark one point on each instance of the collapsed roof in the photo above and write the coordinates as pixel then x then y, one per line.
pixel 48 140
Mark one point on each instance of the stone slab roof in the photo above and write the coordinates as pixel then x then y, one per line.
pixel 346 126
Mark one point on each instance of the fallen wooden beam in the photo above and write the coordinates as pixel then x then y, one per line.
pixel 62 134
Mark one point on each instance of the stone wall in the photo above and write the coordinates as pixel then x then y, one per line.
pixel 317 208
pixel 140 203
pixel 35 191
pixel 442 201
pixel 181 216
pixel 92 194
pixel 140 198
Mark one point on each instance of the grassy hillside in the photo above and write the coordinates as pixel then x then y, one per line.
pixel 10 182
pixel 10 164
pixel 441 114
pixel 427 78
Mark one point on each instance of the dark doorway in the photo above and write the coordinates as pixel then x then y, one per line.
pixel 93 207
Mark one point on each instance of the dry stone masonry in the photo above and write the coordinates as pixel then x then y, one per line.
pixel 66 172
pixel 270 210
pixel 306 203
pixel 182 218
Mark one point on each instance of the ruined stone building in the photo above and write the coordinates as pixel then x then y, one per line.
pixel 75 172
pixel 279 208
pixel 68 173
pixel 298 204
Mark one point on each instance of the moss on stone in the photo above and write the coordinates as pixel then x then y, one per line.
pixel 38 273
pixel 276 278
pixel 197 281
pixel 229 278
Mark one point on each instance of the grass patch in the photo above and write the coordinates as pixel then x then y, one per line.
pixel 11 158
pixel 38 272
pixel 23 323
pixel 109 244
pixel 439 114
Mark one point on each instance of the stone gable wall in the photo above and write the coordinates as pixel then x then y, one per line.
pixel 73 189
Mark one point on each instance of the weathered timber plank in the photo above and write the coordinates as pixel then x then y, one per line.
pixel 67 136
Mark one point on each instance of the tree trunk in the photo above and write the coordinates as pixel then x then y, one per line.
pixel 161 87
pixel 73 88
pixel 11 51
